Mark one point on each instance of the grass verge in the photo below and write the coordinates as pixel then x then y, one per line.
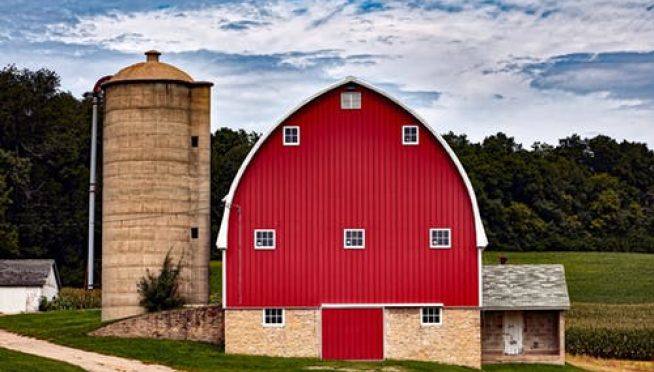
pixel 13 361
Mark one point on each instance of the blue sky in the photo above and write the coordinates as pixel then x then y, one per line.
pixel 536 70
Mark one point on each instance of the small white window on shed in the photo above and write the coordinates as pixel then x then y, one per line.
pixel 354 238
pixel 273 317
pixel 351 100
pixel 440 238
pixel 264 239
pixel 410 135
pixel 291 136
pixel 431 316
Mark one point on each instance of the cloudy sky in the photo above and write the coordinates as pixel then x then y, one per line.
pixel 536 70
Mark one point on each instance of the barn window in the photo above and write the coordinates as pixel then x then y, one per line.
pixel 351 100
pixel 410 135
pixel 354 238
pixel 430 315
pixel 194 233
pixel 439 238
pixel 273 317
pixel 291 136
pixel 194 141
pixel 264 239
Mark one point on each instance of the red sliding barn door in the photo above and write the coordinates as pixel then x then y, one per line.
pixel 353 334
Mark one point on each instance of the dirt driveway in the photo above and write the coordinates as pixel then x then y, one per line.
pixel 93 362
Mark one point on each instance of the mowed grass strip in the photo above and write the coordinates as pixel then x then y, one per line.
pixel 70 328
pixel 215 281
pixel 595 277
pixel 13 361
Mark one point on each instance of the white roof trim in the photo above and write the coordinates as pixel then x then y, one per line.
pixel 221 243
pixel 375 305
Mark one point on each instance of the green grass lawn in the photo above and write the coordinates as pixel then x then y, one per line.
pixel 596 277
pixel 13 361
pixel 70 328
pixel 215 281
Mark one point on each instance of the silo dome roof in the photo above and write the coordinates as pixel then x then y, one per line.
pixel 151 69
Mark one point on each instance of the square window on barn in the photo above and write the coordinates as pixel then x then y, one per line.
pixel 351 100
pixel 410 135
pixel 264 239
pixel 431 315
pixel 440 238
pixel 273 317
pixel 354 238
pixel 291 136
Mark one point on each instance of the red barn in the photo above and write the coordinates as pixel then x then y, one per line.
pixel 351 231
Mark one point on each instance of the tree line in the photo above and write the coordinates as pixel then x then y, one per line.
pixel 582 194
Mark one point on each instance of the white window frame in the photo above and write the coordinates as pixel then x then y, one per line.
pixel 274 239
pixel 348 104
pixel 274 325
pixel 440 246
pixel 404 141
pixel 291 127
pixel 363 239
pixel 429 324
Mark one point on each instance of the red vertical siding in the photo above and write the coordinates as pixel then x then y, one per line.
pixel 353 334
pixel 351 171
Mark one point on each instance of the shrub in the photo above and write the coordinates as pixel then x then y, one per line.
pixel 160 292
pixel 73 299
pixel 634 344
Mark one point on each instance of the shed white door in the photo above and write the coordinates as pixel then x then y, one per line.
pixel 513 326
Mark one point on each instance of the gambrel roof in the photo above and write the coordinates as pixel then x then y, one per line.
pixel 26 273
pixel 525 287
pixel 481 239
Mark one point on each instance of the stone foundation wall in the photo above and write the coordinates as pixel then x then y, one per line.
pixel 456 341
pixel 190 324
pixel 299 337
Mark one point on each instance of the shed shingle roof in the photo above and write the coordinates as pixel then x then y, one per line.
pixel 507 287
pixel 28 273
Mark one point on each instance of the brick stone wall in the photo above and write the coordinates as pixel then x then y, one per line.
pixel 456 341
pixel 492 330
pixel 299 337
pixel 190 324
pixel 541 331
pixel 543 338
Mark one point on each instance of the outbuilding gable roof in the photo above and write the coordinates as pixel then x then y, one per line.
pixel 481 239
pixel 525 287
pixel 26 273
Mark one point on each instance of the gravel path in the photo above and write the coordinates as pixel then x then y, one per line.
pixel 92 362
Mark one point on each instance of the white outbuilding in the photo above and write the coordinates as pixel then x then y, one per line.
pixel 24 282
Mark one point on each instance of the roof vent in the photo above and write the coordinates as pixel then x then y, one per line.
pixel 152 56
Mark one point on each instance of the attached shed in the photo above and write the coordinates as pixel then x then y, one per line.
pixel 523 314
pixel 24 282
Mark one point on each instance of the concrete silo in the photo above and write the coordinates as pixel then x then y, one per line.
pixel 156 182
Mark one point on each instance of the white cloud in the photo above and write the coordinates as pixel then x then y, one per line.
pixel 424 49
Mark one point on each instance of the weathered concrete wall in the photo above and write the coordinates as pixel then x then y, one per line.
pixel 190 324
pixel 156 188
pixel 456 341
pixel 299 337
